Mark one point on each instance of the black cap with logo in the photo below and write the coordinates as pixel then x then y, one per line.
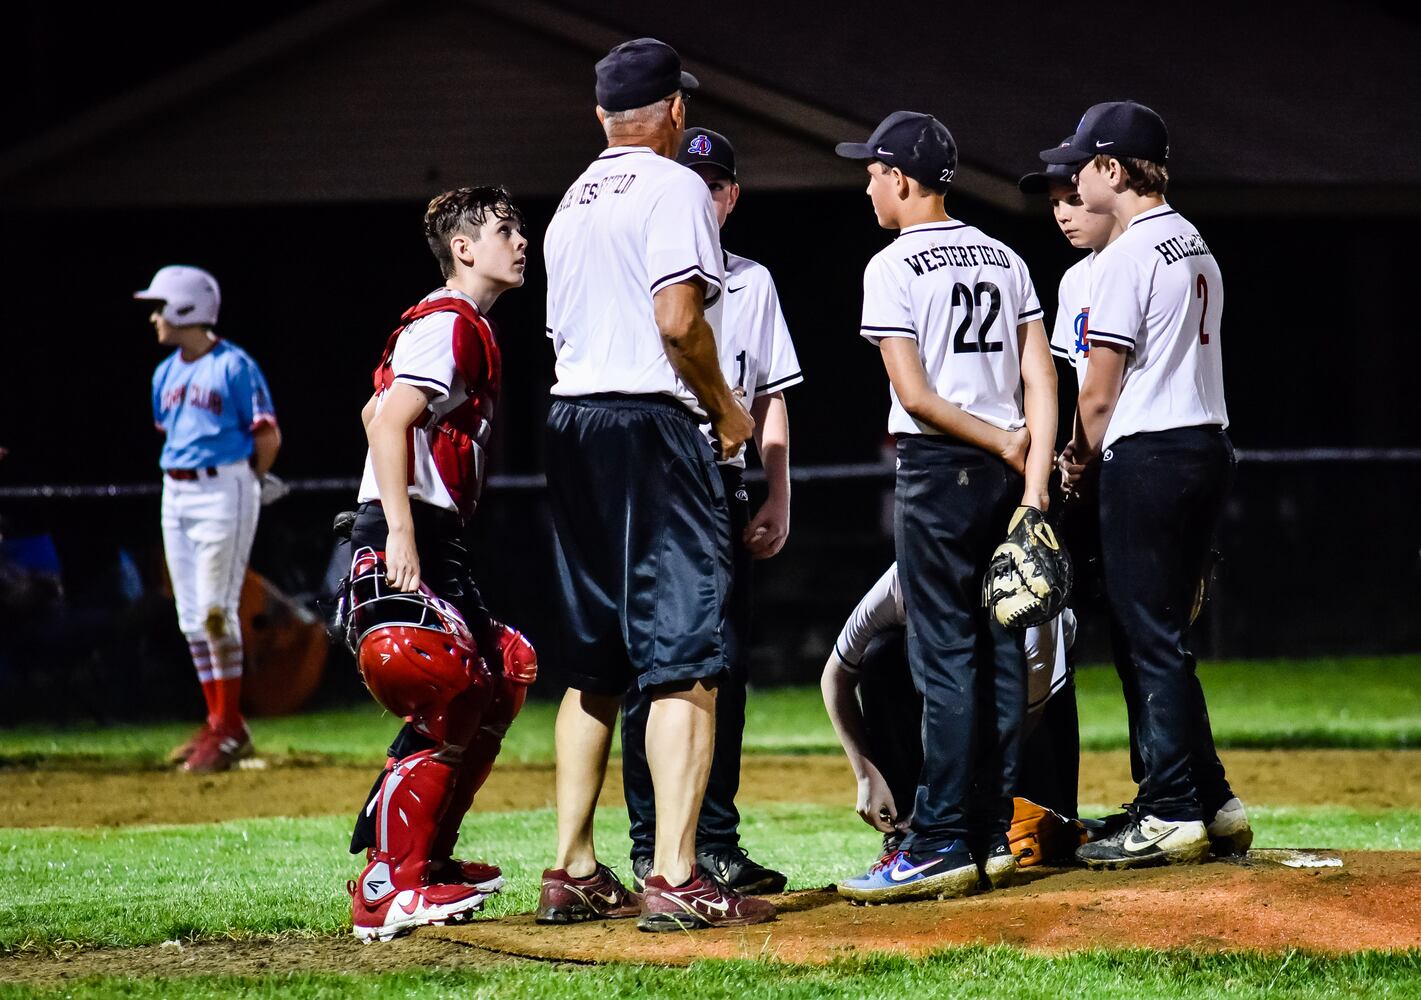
pixel 917 144
pixel 640 72
pixel 702 146
pixel 1116 128
pixel 1055 173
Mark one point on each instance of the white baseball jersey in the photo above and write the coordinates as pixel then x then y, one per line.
pixel 961 295
pixel 1157 291
pixel 882 609
pixel 424 358
pixel 632 224
pixel 756 353
pixel 1069 338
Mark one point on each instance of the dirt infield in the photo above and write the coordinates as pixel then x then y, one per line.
pixel 1388 779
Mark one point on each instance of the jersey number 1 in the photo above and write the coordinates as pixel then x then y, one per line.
pixel 969 298
pixel 1201 291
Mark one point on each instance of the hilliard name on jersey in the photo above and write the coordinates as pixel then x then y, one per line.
pixel 588 191
pixel 1176 248
pixel 956 256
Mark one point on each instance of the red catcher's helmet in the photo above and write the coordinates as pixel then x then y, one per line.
pixel 414 650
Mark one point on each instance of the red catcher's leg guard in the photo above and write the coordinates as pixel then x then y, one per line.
pixel 520 669
pixel 413 798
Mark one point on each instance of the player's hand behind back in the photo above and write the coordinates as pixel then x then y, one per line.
pixel 1018 444
pixel 402 561
pixel 732 429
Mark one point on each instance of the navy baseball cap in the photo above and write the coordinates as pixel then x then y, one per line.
pixel 917 144
pixel 1040 182
pixel 1116 128
pixel 640 72
pixel 701 145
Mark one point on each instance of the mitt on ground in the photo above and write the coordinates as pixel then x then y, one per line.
pixel 1040 836
pixel 1029 577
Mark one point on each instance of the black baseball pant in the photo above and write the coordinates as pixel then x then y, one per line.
pixel 953 504
pixel 1161 496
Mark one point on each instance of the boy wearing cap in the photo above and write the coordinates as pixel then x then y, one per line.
pixel 211 402
pixel 759 362
pixel 1151 412
pixel 640 522
pixel 973 392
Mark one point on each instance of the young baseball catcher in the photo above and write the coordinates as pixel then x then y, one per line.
pixel 427 648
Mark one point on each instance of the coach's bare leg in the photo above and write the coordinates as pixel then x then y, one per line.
pixel 583 737
pixel 680 736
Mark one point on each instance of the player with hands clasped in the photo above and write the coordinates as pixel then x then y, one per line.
pixel 211 402
pixel 1151 412
pixel 973 391
pixel 427 648
pixel 759 362
pixel 641 526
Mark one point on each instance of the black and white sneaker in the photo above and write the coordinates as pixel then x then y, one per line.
pixel 641 868
pixel 735 869
pixel 1150 841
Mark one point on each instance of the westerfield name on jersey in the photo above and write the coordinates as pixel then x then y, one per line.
pixel 956 256
pixel 1176 248
pixel 588 191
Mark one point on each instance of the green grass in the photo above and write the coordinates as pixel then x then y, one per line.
pixel 143 885
pixel 1356 702
pixel 977 972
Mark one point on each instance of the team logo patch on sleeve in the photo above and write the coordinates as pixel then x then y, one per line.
pixel 700 145
pixel 1083 331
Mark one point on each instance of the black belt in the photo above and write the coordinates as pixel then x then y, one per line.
pixel 186 475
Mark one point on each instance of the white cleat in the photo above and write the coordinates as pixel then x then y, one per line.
pixel 1230 834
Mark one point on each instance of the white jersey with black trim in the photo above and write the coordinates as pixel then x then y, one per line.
pixel 961 295
pixel 1157 291
pixel 632 224
pixel 876 612
pixel 1069 339
pixel 424 358
pixel 756 353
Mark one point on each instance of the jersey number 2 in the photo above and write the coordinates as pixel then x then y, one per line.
pixel 969 298
pixel 1201 291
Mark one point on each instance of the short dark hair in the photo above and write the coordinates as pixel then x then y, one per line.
pixel 938 188
pixel 464 211
pixel 1143 176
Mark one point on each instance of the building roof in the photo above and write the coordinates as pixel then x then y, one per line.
pixel 373 100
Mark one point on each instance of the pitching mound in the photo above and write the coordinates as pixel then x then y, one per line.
pixel 1373 901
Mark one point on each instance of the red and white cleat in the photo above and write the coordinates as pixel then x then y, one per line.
pixel 380 912
pixel 220 750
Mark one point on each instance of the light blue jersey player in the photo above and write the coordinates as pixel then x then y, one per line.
pixel 211 402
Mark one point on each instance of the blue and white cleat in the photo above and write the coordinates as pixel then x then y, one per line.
pixel 905 875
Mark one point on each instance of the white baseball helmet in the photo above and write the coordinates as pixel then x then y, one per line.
pixel 189 295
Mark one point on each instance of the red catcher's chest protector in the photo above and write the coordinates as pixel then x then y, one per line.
pixel 459 439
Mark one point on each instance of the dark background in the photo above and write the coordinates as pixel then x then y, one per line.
pixel 1318 341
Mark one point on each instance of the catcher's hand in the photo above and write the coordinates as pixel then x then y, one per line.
pixel 1029 577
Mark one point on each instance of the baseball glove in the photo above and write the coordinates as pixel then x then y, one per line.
pixel 1040 836
pixel 1029 577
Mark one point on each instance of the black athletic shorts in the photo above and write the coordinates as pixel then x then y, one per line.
pixel 641 536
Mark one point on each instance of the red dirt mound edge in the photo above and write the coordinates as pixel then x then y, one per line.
pixel 1372 902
